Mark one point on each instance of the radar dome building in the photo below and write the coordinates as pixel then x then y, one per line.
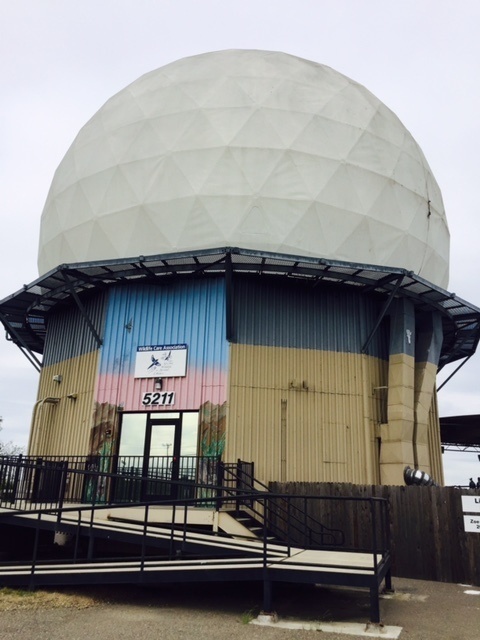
pixel 244 254
pixel 251 149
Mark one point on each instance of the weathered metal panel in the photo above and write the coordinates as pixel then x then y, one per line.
pixel 289 314
pixel 190 312
pixel 304 413
pixel 63 426
pixel 68 334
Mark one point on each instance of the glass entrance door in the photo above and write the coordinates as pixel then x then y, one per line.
pixel 162 449
pixel 162 456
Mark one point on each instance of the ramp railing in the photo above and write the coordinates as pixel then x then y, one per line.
pixel 52 480
pixel 53 485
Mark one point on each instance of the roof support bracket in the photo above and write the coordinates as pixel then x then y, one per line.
pixel 383 312
pixel 454 372
pixel 82 309
pixel 24 348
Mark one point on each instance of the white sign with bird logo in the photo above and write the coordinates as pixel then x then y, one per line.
pixel 161 361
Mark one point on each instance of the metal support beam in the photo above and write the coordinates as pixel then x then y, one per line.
pixel 454 372
pixel 380 284
pixel 82 309
pixel 37 365
pixel 384 310
pixel 461 448
pixel 31 357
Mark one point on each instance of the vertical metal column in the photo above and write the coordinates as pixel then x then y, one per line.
pixel 374 604
pixel 267 594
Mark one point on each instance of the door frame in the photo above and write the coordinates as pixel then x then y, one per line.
pixel 154 419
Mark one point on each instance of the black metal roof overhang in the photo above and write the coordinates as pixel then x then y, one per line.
pixel 461 431
pixel 24 313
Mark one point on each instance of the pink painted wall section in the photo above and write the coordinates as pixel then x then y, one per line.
pixel 191 392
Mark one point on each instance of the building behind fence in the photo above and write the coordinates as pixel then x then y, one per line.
pixel 232 266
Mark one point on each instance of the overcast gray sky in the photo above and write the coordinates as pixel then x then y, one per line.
pixel 61 60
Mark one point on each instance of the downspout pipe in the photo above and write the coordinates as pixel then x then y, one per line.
pixel 34 432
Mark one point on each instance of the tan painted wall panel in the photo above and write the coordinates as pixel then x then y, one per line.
pixel 434 443
pixel 327 429
pixel 64 427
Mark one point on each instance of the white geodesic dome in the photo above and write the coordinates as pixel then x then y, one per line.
pixel 253 149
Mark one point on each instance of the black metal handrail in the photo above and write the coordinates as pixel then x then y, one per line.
pixel 283 517
pixel 50 480
pixel 180 528
pixel 288 517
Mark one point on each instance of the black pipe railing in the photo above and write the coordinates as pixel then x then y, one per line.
pixel 282 517
pixel 53 484
pixel 50 480
pixel 181 527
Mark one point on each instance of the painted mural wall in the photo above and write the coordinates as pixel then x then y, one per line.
pixel 159 322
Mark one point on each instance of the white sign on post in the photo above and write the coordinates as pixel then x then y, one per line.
pixel 471 504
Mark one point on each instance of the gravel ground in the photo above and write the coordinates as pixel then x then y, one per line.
pixel 425 610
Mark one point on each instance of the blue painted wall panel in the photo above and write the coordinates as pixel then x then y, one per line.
pixel 289 314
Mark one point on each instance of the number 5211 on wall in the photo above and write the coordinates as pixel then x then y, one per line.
pixel 158 399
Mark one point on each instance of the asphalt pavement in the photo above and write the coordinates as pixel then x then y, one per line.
pixel 423 610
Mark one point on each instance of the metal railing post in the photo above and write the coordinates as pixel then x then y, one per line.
pixel 144 539
pixel 62 490
pixel 90 532
pixel 374 534
pixel 238 485
pixel 220 481
pixel 35 553
pixel 77 536
pixel 114 478
pixel 172 533
pixel 18 464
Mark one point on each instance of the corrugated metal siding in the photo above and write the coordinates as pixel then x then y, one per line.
pixel 190 312
pixel 329 420
pixel 68 334
pixel 64 428
pixel 287 314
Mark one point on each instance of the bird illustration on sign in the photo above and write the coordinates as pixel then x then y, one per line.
pixel 155 362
